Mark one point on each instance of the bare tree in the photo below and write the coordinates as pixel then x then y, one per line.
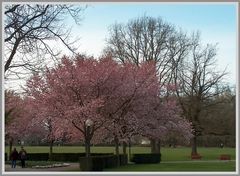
pixel 30 30
pixel 149 39
pixel 198 83
pixel 146 39
pixel 180 60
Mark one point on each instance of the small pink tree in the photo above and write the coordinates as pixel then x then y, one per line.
pixel 17 117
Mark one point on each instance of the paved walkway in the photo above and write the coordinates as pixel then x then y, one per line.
pixel 72 166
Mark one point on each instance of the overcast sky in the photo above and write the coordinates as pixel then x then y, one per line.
pixel 217 23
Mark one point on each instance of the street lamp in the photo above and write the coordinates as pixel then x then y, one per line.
pixel 88 124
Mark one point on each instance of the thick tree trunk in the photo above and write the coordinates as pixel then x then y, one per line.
pixel 124 147
pixel 194 145
pixel 117 149
pixel 87 142
pixel 50 150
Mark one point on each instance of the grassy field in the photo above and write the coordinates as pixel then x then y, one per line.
pixel 168 154
pixel 171 167
pixel 173 159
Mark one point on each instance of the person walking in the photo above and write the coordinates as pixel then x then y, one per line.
pixel 23 156
pixel 14 157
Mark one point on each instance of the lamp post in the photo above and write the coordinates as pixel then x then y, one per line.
pixel 88 124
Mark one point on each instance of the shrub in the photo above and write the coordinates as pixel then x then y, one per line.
pixel 123 159
pixel 92 163
pixel 37 156
pixel 85 163
pixel 111 161
pixel 146 158
pixel 98 163
pixel 70 157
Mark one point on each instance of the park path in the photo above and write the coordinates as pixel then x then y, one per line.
pixel 72 166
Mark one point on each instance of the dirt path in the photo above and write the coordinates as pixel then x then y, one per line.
pixel 71 167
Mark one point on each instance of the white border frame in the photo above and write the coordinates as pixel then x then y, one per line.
pixel 123 173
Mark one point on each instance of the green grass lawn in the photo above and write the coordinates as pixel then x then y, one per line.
pixel 168 155
pixel 168 167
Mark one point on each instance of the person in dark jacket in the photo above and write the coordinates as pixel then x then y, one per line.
pixel 14 157
pixel 23 156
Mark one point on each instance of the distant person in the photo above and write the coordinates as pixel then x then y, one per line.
pixel 14 157
pixel 22 156
pixel 221 145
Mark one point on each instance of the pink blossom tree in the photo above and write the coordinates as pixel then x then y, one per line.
pixel 17 117
pixel 122 100
pixel 69 95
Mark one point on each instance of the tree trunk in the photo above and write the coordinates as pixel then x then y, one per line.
pixel 129 149
pixel 50 150
pixel 158 147
pixel 117 149
pixel 10 147
pixel 87 142
pixel 194 145
pixel 124 147
pixel 155 146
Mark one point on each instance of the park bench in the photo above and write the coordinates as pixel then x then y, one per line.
pixel 225 157
pixel 196 156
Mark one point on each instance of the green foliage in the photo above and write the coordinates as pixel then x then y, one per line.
pixel 146 158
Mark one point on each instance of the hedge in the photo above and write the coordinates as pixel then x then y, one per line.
pixel 145 158
pixel 123 159
pixel 37 156
pixel 98 163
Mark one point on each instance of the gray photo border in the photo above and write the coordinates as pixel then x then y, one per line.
pixel 119 173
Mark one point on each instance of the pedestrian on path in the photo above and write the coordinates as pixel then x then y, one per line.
pixel 23 156
pixel 14 157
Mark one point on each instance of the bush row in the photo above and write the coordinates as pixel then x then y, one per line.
pixel 145 158
pixel 98 163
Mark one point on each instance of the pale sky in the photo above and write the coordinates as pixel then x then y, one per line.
pixel 217 23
